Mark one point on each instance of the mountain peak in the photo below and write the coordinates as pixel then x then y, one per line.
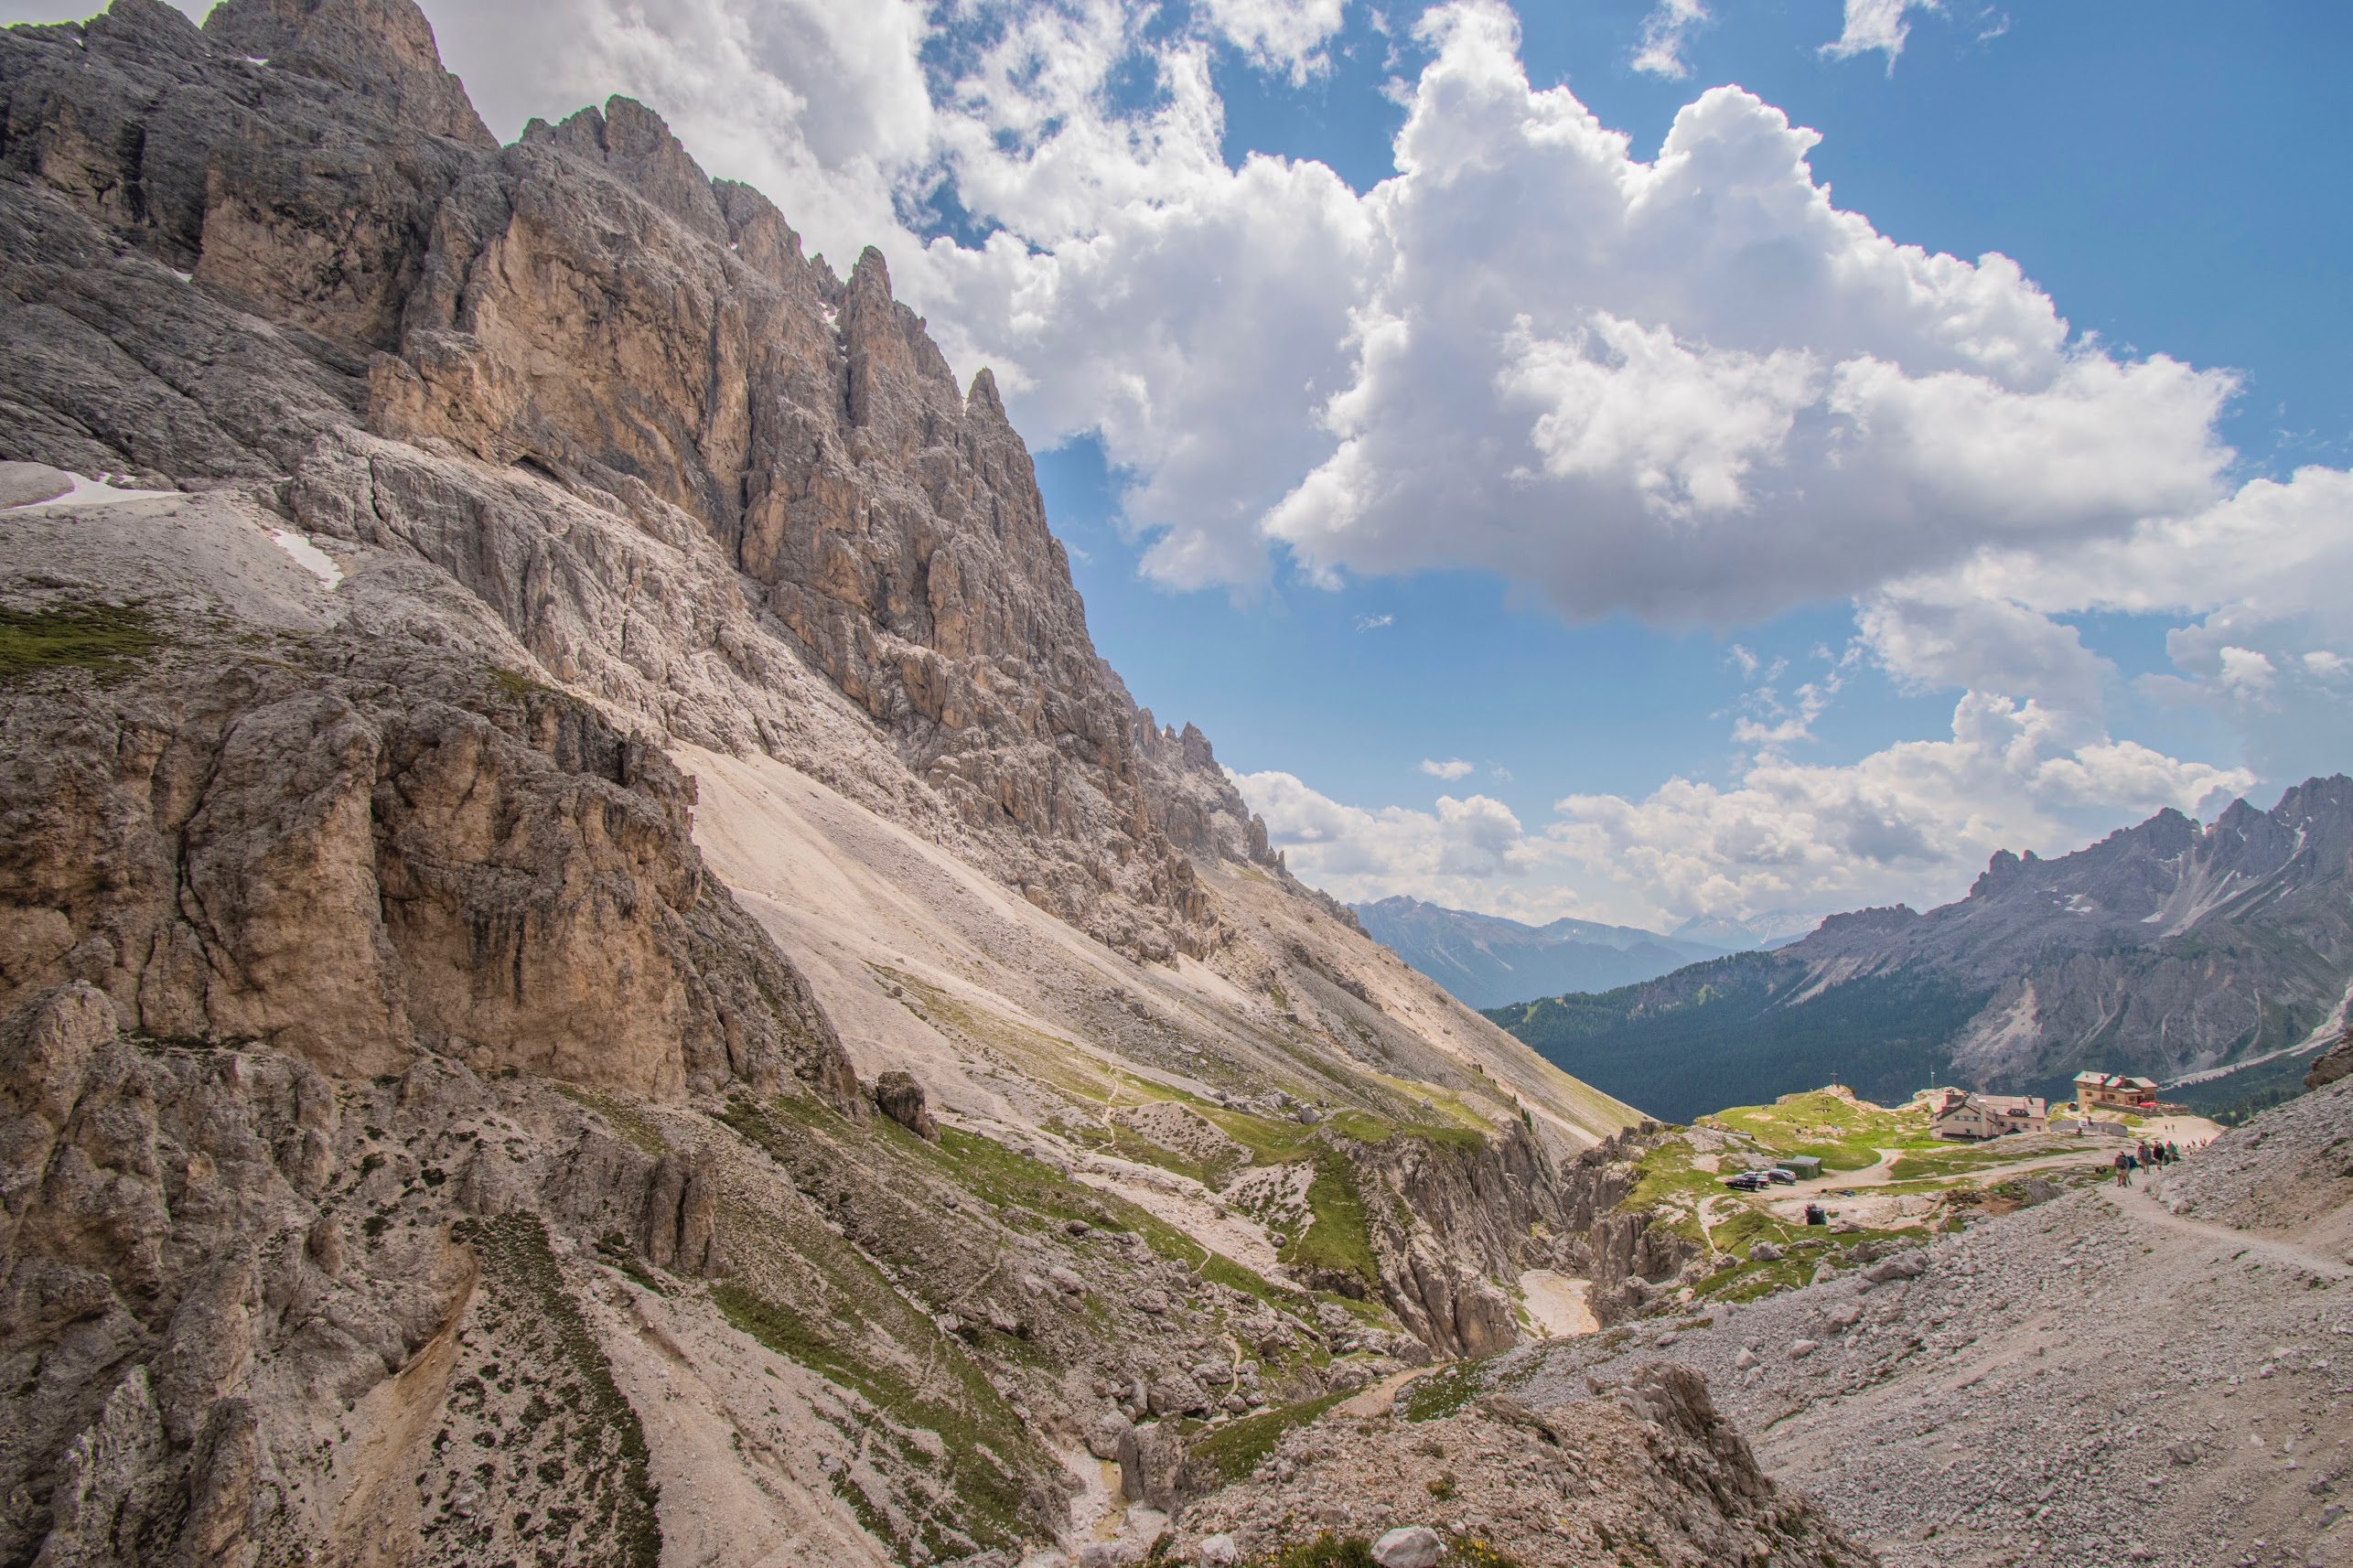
pixel 380 51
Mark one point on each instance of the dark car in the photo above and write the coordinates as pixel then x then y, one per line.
pixel 1747 1181
pixel 1784 1178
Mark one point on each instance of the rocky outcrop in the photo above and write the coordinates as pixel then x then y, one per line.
pixel 901 1098
pixel 352 855
pixel 1192 801
pixel 1646 1466
pixel 2332 1064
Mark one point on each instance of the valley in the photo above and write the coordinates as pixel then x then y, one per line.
pixel 595 969
pixel 2215 960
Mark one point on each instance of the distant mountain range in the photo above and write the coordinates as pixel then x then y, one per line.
pixel 1488 961
pixel 2216 960
pixel 1773 929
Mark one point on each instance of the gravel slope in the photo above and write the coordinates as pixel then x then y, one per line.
pixel 2094 1380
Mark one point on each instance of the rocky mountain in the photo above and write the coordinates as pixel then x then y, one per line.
pixel 2216 960
pixel 593 968
pixel 1488 961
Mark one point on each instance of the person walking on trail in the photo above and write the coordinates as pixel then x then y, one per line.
pixel 2123 1168
pixel 2173 1152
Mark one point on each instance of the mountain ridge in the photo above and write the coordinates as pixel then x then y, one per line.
pixel 1489 960
pixel 2166 949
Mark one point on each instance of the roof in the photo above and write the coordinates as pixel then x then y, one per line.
pixel 2015 1106
pixel 2115 1080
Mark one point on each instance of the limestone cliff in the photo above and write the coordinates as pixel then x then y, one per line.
pixel 560 710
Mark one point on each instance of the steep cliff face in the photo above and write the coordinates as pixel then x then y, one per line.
pixel 588 305
pixel 562 708
pixel 353 857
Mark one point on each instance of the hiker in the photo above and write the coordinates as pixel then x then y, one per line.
pixel 2123 1168
pixel 2172 1153
pixel 1817 1215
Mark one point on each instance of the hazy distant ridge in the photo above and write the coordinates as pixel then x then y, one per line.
pixel 1488 961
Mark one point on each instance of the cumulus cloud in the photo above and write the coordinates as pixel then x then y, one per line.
pixel 1877 25
pixel 1457 851
pixel 1908 822
pixel 1449 770
pixel 1693 388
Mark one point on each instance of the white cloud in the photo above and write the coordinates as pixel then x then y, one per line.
pixel 1877 25
pixel 1934 636
pixel 1284 35
pixel 1664 30
pixel 1449 770
pixel 1374 623
pixel 1459 851
pixel 1693 388
pixel 2246 673
pixel 1912 822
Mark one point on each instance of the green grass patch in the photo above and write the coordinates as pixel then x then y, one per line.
pixel 105 639
pixel 1434 1396
pixel 1230 1453
pixel 1967 1159
pixel 525 1305
pixel 973 1433
pixel 1129 1144
pixel 1336 1240
pixel 1844 1134
pixel 514 684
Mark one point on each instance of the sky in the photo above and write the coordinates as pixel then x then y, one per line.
pixel 1645 461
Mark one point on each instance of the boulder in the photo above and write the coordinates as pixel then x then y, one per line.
pixel 1151 1464
pixel 901 1098
pixel 1908 1265
pixel 1765 1252
pixel 1415 1546
pixel 1104 1437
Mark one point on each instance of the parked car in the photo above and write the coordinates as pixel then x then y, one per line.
pixel 1782 1177
pixel 1747 1181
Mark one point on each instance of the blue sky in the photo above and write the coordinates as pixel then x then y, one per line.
pixel 1635 458
pixel 2170 173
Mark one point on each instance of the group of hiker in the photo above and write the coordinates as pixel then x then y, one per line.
pixel 2144 1156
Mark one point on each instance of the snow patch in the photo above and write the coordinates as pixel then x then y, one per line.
pixel 101 492
pixel 310 557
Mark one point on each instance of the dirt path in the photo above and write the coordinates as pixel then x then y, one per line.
pixel 1380 1397
pixel 2143 1207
